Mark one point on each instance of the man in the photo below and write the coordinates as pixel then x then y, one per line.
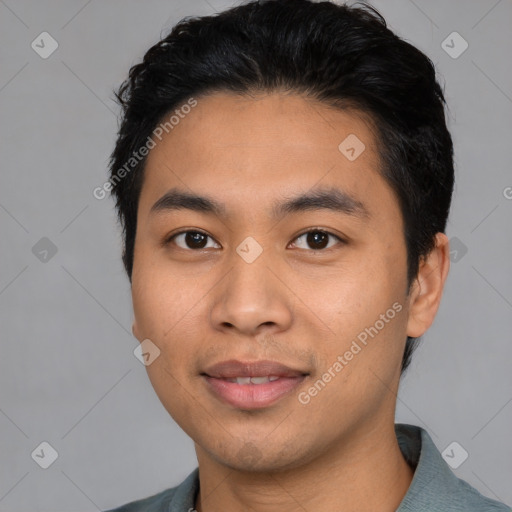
pixel 283 175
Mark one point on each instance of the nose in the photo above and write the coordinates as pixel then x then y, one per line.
pixel 252 299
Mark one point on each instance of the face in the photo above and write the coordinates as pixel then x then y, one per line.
pixel 294 257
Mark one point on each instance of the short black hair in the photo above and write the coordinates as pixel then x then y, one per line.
pixel 344 56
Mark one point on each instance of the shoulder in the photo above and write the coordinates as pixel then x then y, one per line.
pixel 156 503
pixel 469 499
pixel 180 498
pixel 434 486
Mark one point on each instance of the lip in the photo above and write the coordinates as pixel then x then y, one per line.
pixel 234 368
pixel 252 396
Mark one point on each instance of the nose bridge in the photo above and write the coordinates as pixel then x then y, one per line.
pixel 251 295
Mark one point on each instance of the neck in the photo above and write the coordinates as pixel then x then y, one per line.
pixel 365 472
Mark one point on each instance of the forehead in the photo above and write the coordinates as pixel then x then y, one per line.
pixel 248 151
pixel 270 121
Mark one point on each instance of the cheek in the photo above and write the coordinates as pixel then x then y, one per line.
pixel 165 308
pixel 162 310
pixel 161 300
pixel 354 298
pixel 366 309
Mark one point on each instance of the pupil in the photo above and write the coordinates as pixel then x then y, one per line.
pixel 192 238
pixel 313 239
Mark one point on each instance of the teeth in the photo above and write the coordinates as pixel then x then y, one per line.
pixel 253 380
pixel 259 380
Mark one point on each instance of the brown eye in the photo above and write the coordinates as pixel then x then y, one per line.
pixel 192 240
pixel 317 239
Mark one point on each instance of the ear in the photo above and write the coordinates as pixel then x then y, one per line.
pixel 427 289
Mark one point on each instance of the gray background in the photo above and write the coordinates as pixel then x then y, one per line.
pixel 68 375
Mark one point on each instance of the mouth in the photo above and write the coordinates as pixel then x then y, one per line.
pixel 252 380
pixel 252 385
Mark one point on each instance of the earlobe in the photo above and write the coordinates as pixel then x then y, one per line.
pixel 428 288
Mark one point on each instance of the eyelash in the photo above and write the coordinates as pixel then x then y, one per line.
pixel 169 239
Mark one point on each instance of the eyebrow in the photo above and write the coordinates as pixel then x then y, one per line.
pixel 329 198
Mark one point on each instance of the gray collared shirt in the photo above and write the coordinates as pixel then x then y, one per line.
pixel 434 487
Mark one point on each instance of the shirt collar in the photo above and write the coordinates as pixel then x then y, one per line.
pixel 433 481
